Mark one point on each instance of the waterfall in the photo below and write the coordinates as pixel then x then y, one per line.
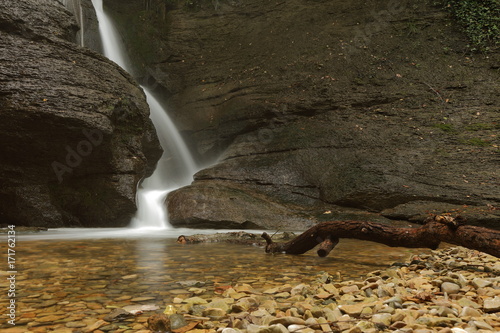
pixel 176 166
pixel 111 43
pixel 75 6
pixel 82 25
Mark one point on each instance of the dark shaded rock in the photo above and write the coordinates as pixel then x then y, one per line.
pixel 159 322
pixel 312 105
pixel 418 211
pixel 75 132
pixel 117 315
pixel 226 205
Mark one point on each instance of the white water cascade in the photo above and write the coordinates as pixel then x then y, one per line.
pixel 176 166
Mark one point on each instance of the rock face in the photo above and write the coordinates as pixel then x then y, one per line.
pixel 88 26
pixel 321 105
pixel 75 132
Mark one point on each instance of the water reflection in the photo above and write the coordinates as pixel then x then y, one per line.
pixel 84 278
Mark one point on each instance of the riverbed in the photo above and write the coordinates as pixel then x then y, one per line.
pixel 76 276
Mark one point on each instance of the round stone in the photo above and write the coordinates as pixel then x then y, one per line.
pixel 450 288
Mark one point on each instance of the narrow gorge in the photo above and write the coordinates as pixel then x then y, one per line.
pixel 300 112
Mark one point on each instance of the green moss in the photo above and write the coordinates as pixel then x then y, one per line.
pixel 480 127
pixel 448 128
pixel 480 20
pixel 476 142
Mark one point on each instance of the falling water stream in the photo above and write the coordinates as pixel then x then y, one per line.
pixel 176 166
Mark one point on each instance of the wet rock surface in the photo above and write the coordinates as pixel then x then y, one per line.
pixel 75 129
pixel 409 297
pixel 321 104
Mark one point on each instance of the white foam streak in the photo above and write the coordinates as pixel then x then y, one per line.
pixel 176 166
pixel 112 47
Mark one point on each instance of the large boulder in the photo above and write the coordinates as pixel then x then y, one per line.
pixel 321 105
pixel 75 129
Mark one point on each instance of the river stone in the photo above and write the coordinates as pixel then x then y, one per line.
pixel 332 315
pixel 365 325
pixel 450 288
pixel 343 323
pixel 462 280
pixel 481 283
pixel 219 304
pixel 195 301
pixel 214 313
pixel 196 310
pixel 437 321
pixel 353 310
pixel 482 325
pixel 287 321
pixel 355 329
pixel 75 324
pixel 95 326
pixel 117 314
pixel 311 321
pixel 299 289
pixel 177 321
pixel 397 325
pixel 278 328
pixel 492 304
pixel 467 311
pixel 384 318
pixel 231 330
pixel 467 302
pixel 260 313
pixel 352 289
pixel 191 283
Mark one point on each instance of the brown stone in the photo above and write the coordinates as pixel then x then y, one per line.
pixel 159 322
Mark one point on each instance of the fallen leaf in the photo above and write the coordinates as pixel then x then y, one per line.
pixel 221 289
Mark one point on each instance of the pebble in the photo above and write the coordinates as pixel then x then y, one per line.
pixel 382 318
pixel 177 321
pixel 287 321
pixel 467 311
pixel 492 305
pixel 450 288
pixel 481 283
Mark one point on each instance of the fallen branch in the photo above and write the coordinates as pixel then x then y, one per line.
pixel 436 230
pixel 239 237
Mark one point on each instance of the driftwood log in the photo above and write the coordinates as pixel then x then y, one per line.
pixel 435 230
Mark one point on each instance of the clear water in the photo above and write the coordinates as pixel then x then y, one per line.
pixel 79 275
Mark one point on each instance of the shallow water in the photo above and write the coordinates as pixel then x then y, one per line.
pixel 70 276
